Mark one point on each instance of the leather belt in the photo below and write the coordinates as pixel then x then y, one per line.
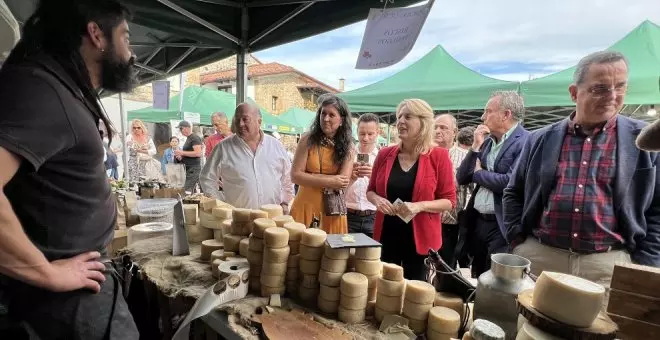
pixel 616 246
pixel 361 213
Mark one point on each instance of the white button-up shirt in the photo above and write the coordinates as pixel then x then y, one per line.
pixel 249 180
pixel 356 194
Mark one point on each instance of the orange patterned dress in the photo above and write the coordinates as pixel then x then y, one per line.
pixel 309 200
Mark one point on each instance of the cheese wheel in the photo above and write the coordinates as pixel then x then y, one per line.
pixel 444 320
pixel 379 314
pixel 148 230
pixel 416 311
pixel 281 220
pixel 232 242
pixel 450 301
pixel 368 267
pixel 226 226
pixel 373 280
pixel 417 326
pixel 218 254
pixel 392 272
pixel 271 280
pixel 254 214
pixel 222 213
pixel 391 288
pixel 295 247
pixel 350 316
pixel 391 304
pixel 244 246
pixel 255 271
pixel 351 260
pixel 260 225
pixel 207 220
pixel 307 294
pixel 270 268
pixel 190 213
pixel 367 253
pixel 209 246
pixel 276 255
pixel 311 253
pixel 335 266
pixel 217 235
pixel 568 299
pixel 272 210
pixel 327 306
pixel 329 278
pixel 313 237
pixel 295 230
pixel 292 274
pixel 353 302
pixel 228 255
pixel 240 228
pixel 276 238
pixel 241 215
pixel 371 294
pixel 467 336
pixel 293 260
pixel 529 332
pixel 268 291
pixel 484 329
pixel 353 284
pixel 329 293
pixel 420 292
pixel 255 257
pixel 215 271
pixel 309 281
pixel 197 233
pixel 207 204
pixel 256 244
pixel 337 254
pixel 434 335
pixel 309 267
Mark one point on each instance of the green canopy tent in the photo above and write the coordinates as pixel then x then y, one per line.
pixel 436 78
pixel 298 117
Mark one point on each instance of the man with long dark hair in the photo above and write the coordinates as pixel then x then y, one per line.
pixel 56 208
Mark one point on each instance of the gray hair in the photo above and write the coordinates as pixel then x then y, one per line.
pixel 465 135
pixel 512 101
pixel 220 115
pixel 451 117
pixel 600 57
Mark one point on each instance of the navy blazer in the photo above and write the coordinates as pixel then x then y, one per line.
pixel 636 188
pixel 496 180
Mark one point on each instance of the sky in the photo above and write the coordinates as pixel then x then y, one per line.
pixel 504 39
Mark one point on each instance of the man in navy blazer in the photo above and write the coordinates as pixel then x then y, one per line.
pixel 583 196
pixel 488 164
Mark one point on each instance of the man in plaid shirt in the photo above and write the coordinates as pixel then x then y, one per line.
pixel 583 196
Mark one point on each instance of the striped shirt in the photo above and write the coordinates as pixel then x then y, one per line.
pixel 456 155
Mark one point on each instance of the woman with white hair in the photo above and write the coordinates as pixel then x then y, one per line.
pixel 421 176
pixel 141 149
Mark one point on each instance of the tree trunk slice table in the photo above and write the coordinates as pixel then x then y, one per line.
pixel 284 325
pixel 603 328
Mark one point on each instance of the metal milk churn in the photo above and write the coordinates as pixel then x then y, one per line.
pixel 498 288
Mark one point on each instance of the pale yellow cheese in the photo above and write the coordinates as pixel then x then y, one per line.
pixel 295 247
pixel 367 253
pixel 226 226
pixel 389 303
pixel 353 302
pixel 529 332
pixel 311 253
pixel 281 220
pixel 391 288
pixel 353 284
pixel 392 272
pixel 335 266
pixel 371 293
pixel 207 220
pixel 218 254
pixel 260 225
pixel 327 306
pixel 190 213
pixel 568 299
pixel 268 291
pixel 276 255
pixel 373 280
pixel 450 301
pixel 256 243
pixel 207 204
pixel 371 307
pixel 240 228
pixel 309 281
pixel 272 280
pixel 338 253
pixel 270 268
pixel 329 278
pixel 272 210
pixel 241 215
pixel 417 326
pixel 350 316
pixel 243 247
pixel 276 238
pixel 379 314
pixel 313 237
pixel 217 235
pixel 329 293
pixel 196 233
pixel 309 267
pixel 228 254
pixel 222 213
pixel 254 214
pixel 209 246
pixel 434 335
pixel 368 267
pixel 232 242
pixel 295 230
pixel 444 320
pixel 416 311
pixel 293 261
pixel 215 272
pixel 420 292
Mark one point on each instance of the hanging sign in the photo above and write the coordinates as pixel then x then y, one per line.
pixel 192 117
pixel 390 35
pixel 161 94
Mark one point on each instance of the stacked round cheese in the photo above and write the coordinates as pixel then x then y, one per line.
pixel 417 303
pixel 256 250
pixel 272 210
pixel 194 230
pixel 280 221
pixel 212 214
pixel 275 258
pixel 312 243
pixel 367 262
pixel 295 234
pixel 222 214
pixel 333 266
pixel 391 288
pixel 353 290
pixel 451 301
pixel 241 222
pixel 443 323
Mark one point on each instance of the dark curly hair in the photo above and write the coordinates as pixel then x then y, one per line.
pixel 344 137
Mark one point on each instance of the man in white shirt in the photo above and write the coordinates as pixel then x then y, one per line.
pixel 254 167
pixel 360 212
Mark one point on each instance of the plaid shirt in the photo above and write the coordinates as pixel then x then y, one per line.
pixel 580 212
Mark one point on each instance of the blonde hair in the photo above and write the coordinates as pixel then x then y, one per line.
pixel 140 124
pixel 423 142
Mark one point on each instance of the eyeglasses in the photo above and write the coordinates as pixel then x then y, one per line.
pixel 137 128
pixel 603 90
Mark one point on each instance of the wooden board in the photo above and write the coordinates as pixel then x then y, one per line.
pixel 630 329
pixel 361 241
pixel 283 325
pixel 635 278
pixel 603 327
pixel 634 306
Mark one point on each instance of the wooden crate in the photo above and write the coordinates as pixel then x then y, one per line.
pixel 634 302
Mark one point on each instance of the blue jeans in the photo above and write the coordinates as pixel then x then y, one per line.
pixel 361 224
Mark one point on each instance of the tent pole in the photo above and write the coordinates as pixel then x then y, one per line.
pixel 122 137
pixel 241 62
pixel 181 91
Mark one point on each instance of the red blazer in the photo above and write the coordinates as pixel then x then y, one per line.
pixel 435 180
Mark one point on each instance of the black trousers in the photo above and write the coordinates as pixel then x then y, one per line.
pixel 361 224
pixel 488 240
pixel 399 248
pixel 449 241
pixel 192 177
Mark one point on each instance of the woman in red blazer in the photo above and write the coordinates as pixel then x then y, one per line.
pixel 419 174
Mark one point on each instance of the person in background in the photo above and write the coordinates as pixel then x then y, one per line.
pixel 489 163
pixel 190 155
pixel 168 154
pixel 446 129
pixel 419 174
pixel 583 197
pixel 111 161
pixel 361 213
pixel 203 158
pixel 254 167
pixel 323 160
pixel 141 149
pixel 222 131
pixel 465 137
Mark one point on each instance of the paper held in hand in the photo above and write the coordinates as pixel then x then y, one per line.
pixel 403 211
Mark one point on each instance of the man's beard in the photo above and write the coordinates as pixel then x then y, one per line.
pixel 117 76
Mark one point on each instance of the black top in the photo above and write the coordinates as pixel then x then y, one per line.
pixel 400 185
pixel 191 141
pixel 60 193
